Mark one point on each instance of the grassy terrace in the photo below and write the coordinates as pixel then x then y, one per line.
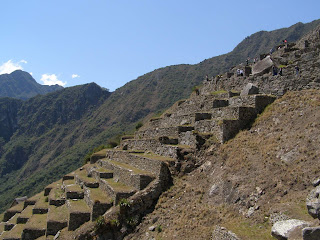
pixel 100 153
pixel 42 203
pixel 13 220
pixel 56 193
pixel 153 156
pixel 27 212
pixel 74 188
pixel 68 182
pixel 55 184
pixel 1 227
pixel 78 206
pixel 15 232
pixel 118 186
pixel 37 221
pixel 129 167
pixel 59 214
pixel 96 194
pixel 17 208
pixel 101 169
pixel 36 197
pixel 84 177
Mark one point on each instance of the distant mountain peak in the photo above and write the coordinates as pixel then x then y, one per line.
pixel 20 84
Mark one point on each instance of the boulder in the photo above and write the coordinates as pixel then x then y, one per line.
pixel 311 233
pixel 281 229
pixel 263 66
pixel 313 202
pixel 249 89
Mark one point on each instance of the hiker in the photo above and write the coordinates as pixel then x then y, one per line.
pixel 271 51
pixel 274 71
pixel 241 72
pixel 247 61
pixel 254 61
pixel 285 42
pixel 238 72
pixel 280 71
pixel 207 78
pixel 297 70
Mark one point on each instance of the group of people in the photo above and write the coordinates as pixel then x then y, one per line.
pixel 239 72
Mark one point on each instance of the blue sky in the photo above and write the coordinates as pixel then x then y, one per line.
pixel 112 42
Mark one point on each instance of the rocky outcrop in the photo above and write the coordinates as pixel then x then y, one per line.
pixel 281 229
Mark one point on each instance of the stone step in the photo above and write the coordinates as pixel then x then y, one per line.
pixel 33 200
pixel 152 145
pixel 41 206
pixel 11 222
pixel 57 219
pixel 98 155
pixel 98 201
pixel 173 131
pixel 98 172
pixel 259 102
pixel 72 190
pixel 35 227
pixel 81 178
pixel 171 120
pixel 116 190
pixel 147 161
pixel 12 211
pixel 242 113
pixel 57 195
pixel 15 233
pixel 127 174
pixel 25 214
pixel 79 213
pixel 48 188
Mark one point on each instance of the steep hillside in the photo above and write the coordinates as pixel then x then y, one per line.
pixel 262 174
pixel 49 128
pixel 54 137
pixel 20 84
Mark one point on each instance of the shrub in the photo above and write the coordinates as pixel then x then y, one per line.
pixel 139 125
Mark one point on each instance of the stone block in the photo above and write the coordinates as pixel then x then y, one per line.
pixel 249 89
pixel 76 219
pixel 55 226
pixel 311 233
pixel 281 229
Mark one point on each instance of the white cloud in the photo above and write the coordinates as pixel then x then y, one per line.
pixel 75 76
pixel 51 79
pixel 9 67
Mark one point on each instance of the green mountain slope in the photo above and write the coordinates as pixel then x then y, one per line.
pixel 20 84
pixel 55 131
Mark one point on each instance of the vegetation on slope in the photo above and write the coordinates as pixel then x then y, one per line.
pixel 21 85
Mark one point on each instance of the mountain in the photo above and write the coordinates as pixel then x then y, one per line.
pixel 52 133
pixel 21 85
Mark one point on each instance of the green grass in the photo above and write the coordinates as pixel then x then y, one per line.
pixel 154 156
pixel 129 167
pixel 96 194
pixel 41 203
pixel 27 212
pixel 219 92
pixel 84 177
pixel 15 232
pixel 37 221
pixel 118 186
pixel 18 207
pixel 78 206
pixel 14 218
pixel 59 214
